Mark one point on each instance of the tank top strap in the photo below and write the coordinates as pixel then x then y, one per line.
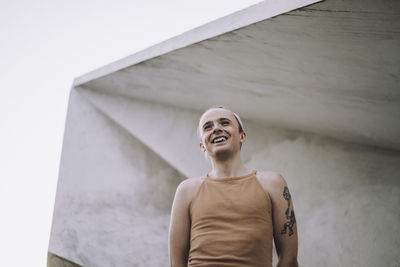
pixel 226 179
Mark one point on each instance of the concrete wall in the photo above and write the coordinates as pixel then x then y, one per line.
pixel 330 69
pixel 346 196
pixel 115 188
pixel 114 194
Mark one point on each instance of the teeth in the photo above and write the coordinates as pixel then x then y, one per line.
pixel 219 139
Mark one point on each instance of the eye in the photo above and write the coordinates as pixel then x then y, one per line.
pixel 224 122
pixel 206 127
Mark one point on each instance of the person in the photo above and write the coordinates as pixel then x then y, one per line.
pixel 231 216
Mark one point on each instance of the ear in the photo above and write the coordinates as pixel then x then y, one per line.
pixel 202 147
pixel 242 137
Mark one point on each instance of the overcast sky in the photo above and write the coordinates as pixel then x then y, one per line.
pixel 44 46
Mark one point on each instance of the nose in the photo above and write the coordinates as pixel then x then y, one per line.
pixel 217 128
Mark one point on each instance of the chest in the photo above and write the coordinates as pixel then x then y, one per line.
pixel 231 200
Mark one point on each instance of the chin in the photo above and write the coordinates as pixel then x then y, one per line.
pixel 222 153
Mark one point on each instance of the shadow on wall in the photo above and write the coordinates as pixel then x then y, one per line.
pixel 57 261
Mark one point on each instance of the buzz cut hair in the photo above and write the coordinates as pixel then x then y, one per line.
pixel 239 121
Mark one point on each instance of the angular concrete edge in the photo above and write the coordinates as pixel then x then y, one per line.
pixel 53 260
pixel 137 127
pixel 236 20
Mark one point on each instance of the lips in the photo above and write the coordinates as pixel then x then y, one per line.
pixel 219 139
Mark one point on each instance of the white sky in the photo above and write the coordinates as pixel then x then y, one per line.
pixel 44 45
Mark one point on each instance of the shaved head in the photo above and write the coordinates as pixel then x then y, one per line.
pixel 238 120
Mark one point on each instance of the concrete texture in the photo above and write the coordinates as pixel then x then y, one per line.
pixel 115 193
pixel 328 69
pixel 56 261
pixel 317 89
pixel 346 196
pixel 113 196
pixel 255 13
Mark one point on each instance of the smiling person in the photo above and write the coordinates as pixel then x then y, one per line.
pixel 231 216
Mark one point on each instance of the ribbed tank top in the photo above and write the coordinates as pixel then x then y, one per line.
pixel 231 223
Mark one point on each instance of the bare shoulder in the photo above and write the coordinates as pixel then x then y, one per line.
pixel 188 188
pixel 271 181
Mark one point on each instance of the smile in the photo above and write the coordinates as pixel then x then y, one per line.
pixel 219 139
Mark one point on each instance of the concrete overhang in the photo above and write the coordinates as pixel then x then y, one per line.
pixel 330 68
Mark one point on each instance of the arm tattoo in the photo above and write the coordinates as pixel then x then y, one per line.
pixel 289 214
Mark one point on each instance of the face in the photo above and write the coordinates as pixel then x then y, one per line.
pixel 219 132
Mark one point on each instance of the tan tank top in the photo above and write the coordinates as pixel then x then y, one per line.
pixel 231 223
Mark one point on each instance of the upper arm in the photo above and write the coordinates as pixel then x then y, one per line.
pixel 283 219
pixel 179 231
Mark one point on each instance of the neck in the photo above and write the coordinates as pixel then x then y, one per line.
pixel 230 167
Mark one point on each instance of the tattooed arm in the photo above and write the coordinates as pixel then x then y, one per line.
pixel 283 218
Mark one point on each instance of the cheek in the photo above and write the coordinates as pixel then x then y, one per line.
pixel 231 128
pixel 204 140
